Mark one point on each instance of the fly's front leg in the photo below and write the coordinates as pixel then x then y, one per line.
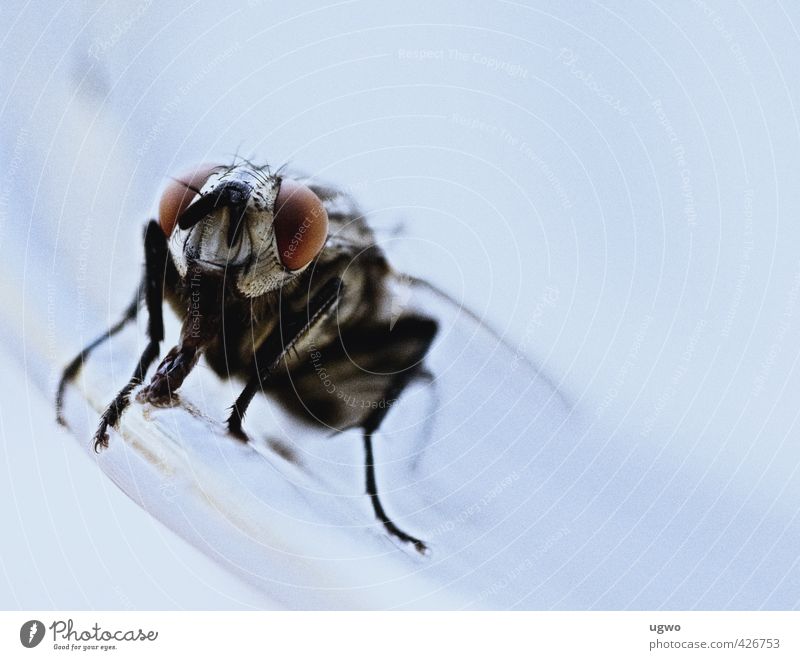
pixel 291 329
pixel 156 269
pixel 200 327
pixel 171 373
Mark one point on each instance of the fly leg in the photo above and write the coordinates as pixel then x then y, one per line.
pixel 291 329
pixel 421 332
pixel 200 327
pixel 74 367
pixel 176 365
pixel 366 369
pixel 156 264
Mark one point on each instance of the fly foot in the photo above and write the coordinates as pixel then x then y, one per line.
pixel 169 377
pixel 398 533
pixel 100 439
pixel 158 394
pixel 235 426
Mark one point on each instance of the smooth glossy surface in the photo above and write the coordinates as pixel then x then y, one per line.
pixel 179 194
pixel 301 224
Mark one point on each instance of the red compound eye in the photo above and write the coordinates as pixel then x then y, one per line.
pixel 301 224
pixel 179 193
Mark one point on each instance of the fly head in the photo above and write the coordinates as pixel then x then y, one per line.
pixel 242 224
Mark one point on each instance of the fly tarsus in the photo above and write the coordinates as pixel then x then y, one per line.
pixel 169 376
pixel 100 439
pixel 238 410
pixel 395 531
pixel 113 412
pixel 377 507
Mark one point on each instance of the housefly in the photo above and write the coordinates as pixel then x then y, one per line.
pixel 272 276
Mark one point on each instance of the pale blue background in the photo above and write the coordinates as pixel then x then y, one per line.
pixel 531 166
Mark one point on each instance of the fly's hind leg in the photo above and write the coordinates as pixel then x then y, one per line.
pixel 412 337
pixel 353 383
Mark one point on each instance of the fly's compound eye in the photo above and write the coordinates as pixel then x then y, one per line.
pixel 179 194
pixel 301 224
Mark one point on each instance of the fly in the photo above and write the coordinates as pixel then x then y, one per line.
pixel 279 283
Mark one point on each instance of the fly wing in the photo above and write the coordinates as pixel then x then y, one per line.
pixel 467 458
pixel 481 392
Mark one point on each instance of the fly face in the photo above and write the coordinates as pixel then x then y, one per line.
pixel 254 228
